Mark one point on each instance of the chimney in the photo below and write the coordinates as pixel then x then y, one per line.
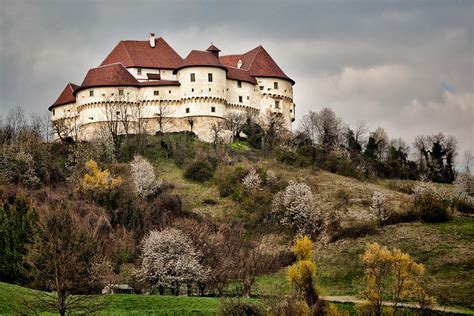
pixel 152 39
pixel 239 64
pixel 213 50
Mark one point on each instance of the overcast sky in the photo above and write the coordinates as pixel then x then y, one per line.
pixel 404 65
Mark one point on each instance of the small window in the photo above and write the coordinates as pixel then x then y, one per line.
pixel 277 104
pixel 91 118
pixel 248 98
pixel 213 109
pixel 193 77
pixel 239 84
pixel 275 85
pixel 209 89
pixel 187 110
pixel 103 94
pixel 54 112
pixel 91 93
pixel 192 89
pixel 169 91
pixel 261 87
pixel 209 77
pixel 240 98
pixel 118 113
pixel 139 71
pixel 291 110
pixel 156 92
pixel 120 91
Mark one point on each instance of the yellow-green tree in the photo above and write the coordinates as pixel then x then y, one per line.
pixel 97 179
pixel 392 274
pixel 302 273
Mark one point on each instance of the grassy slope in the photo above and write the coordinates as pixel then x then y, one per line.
pixel 446 249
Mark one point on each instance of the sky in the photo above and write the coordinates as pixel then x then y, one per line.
pixel 407 66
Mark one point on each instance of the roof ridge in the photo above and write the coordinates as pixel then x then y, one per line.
pixel 126 50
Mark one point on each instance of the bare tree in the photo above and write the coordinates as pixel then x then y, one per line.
pixel 234 121
pixel 58 259
pixel 67 126
pixel 273 127
pixel 163 115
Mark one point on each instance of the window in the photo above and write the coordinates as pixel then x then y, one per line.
pixel 187 110
pixel 193 77
pixel 248 98
pixel 169 91
pixel 156 92
pixel 91 93
pixel 261 87
pixel 120 91
pixel 118 113
pixel 240 98
pixel 291 110
pixel 213 109
pixel 192 90
pixel 275 85
pixel 209 89
pixel 54 112
pixel 277 104
pixel 139 71
pixel 209 77
pixel 239 84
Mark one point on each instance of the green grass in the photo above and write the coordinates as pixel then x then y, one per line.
pixel 240 146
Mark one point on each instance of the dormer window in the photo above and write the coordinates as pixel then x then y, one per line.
pixel 139 71
pixel 193 77
pixel 209 77
pixel 239 84
pixel 275 85
pixel 91 93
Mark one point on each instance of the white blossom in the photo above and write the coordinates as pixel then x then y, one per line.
pixel 144 177
pixel 464 187
pixel 296 207
pixel 169 259
pixel 379 207
pixel 252 181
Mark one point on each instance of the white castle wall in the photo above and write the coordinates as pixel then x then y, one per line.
pixel 207 101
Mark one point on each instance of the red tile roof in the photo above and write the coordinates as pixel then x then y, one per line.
pixel 258 63
pixel 159 83
pixel 239 74
pixel 141 54
pixel 108 75
pixel 212 48
pixel 66 96
pixel 200 58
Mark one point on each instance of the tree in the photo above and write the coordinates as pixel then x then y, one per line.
pixel 273 129
pixel 395 273
pixel 302 274
pixel 16 229
pixel 144 177
pixel 60 257
pixel 296 208
pixel 97 179
pixel 324 128
pixel 169 259
pixel 379 207
pixel 163 115
pixel 234 122
pixel 67 126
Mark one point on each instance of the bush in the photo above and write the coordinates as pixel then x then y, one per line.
pixel 199 171
pixel 292 158
pixel 238 308
pixel 228 180
pixel 431 203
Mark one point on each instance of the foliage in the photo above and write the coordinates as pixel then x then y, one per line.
pixel 169 259
pixel 464 192
pixel 379 207
pixel 199 171
pixel 392 273
pixel 97 179
pixel 295 206
pixel 16 228
pixel 144 177
pixel 302 274
pixel 431 203
pixel 236 307
pixel 252 181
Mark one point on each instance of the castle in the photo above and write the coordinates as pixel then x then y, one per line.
pixel 150 81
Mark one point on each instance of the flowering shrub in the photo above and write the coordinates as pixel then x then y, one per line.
pixel 464 188
pixel 379 207
pixel 252 181
pixel 431 203
pixel 144 177
pixel 296 208
pixel 97 179
pixel 169 259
